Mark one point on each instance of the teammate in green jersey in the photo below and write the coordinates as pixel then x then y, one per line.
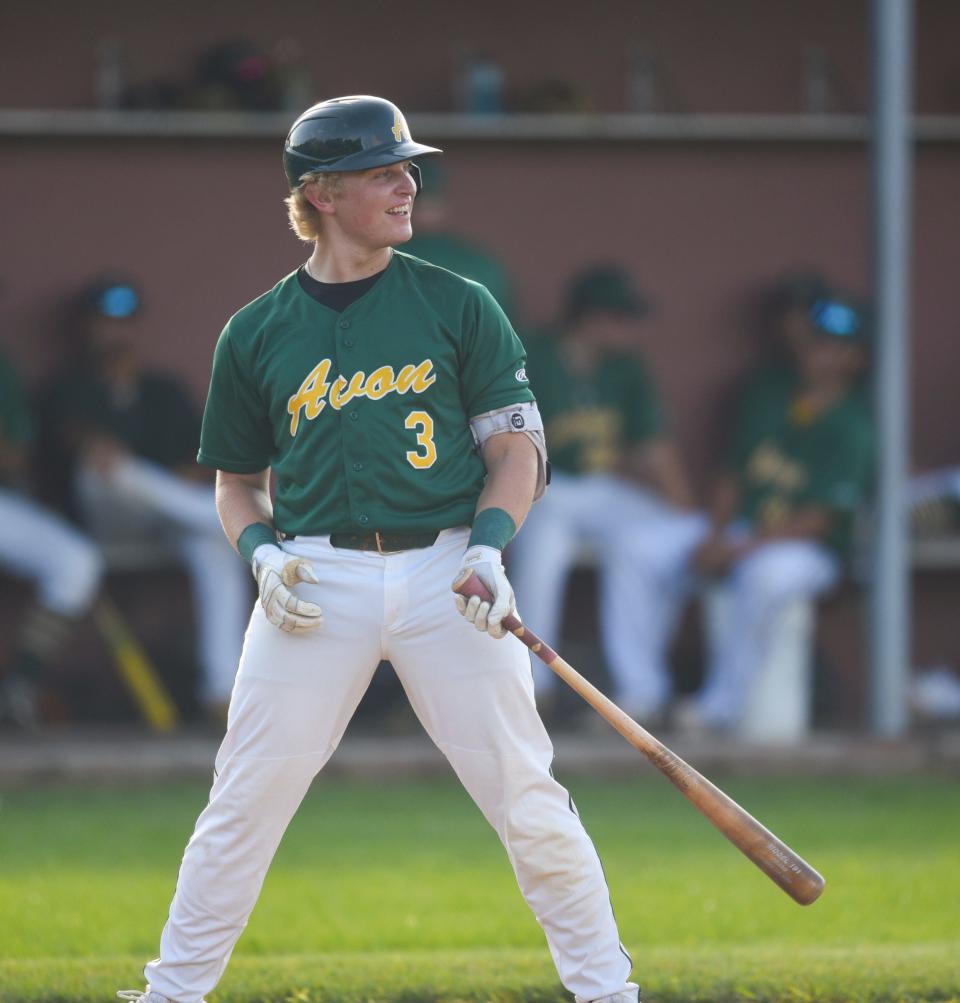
pixel 125 434
pixel 618 487
pixel 782 514
pixel 389 398
pixel 62 566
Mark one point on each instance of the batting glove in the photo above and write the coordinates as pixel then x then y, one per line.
pixel 485 563
pixel 276 573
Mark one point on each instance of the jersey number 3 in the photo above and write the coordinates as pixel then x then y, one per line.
pixel 425 455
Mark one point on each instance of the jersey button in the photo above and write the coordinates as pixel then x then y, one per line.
pixel 358 466
pixel 354 415
pixel 344 324
pixel 363 520
pixel 348 342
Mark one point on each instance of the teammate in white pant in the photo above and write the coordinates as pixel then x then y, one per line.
pixel 363 381
pixel 63 566
pixel 618 490
pixel 782 513
pixel 128 436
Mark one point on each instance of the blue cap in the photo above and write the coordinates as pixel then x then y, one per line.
pixel 839 317
pixel 116 299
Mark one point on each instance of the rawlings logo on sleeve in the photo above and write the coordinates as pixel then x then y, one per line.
pixel 315 392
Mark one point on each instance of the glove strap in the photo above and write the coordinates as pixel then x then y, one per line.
pixel 256 534
pixel 492 527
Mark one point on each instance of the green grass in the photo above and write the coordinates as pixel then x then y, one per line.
pixel 399 892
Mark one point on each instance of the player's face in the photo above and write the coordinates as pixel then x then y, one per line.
pixel 827 361
pixel 373 208
pixel 110 343
pixel 610 330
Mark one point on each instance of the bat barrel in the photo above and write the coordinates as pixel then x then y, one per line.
pixel 784 867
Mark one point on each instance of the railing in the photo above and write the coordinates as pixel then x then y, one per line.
pixel 519 127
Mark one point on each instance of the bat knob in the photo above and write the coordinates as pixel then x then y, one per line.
pixel 467 584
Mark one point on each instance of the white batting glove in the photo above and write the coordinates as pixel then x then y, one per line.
pixel 276 573
pixel 485 563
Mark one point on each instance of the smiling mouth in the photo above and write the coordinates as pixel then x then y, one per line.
pixel 400 210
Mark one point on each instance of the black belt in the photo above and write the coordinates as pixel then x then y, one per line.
pixel 383 543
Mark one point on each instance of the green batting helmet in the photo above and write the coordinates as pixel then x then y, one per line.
pixel 349 134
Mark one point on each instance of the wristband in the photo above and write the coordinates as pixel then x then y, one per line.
pixel 253 536
pixel 492 527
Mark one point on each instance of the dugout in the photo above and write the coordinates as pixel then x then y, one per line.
pixel 747 156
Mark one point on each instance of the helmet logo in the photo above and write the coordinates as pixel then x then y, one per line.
pixel 398 124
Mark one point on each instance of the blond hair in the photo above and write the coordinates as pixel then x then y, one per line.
pixel 305 221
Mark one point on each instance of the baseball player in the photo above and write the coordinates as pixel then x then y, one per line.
pixel 782 514
pixel 618 487
pixel 126 436
pixel 389 399
pixel 64 566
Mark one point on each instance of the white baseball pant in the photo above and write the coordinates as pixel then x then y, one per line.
pixel 38 545
pixel 643 548
pixel 292 700
pixel 760 585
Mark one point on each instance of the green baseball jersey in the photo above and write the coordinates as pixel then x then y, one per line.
pixel 589 418
pixel 787 460
pixel 363 415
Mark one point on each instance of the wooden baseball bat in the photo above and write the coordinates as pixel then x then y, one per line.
pixel 786 868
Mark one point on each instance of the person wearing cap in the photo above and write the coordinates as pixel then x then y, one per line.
pixel 62 565
pixel 782 513
pixel 388 398
pixel 618 487
pixel 123 435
